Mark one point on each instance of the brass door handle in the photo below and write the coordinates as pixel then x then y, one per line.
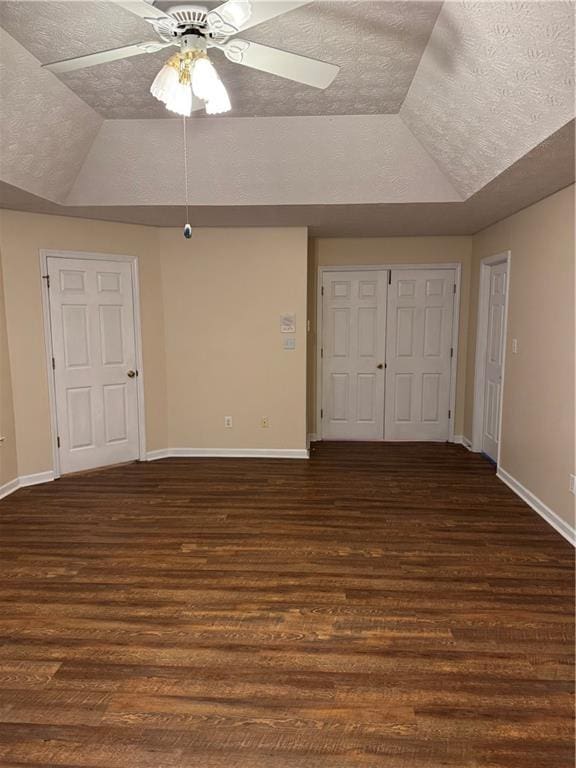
pixel 131 374
pixel 380 365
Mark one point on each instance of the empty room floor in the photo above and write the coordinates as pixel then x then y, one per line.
pixel 379 605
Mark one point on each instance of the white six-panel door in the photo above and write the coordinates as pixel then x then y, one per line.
pixel 418 354
pixel 353 354
pixel 93 342
pixel 494 359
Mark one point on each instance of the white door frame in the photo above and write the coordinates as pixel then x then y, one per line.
pixel 481 345
pixel 133 261
pixel 456 266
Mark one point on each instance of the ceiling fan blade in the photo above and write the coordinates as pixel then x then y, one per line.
pixel 102 57
pixel 237 15
pixel 142 8
pixel 292 66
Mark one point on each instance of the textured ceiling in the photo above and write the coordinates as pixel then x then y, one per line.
pixel 496 79
pixel 45 129
pixel 261 161
pixel 505 84
pixel 377 44
pixel 548 168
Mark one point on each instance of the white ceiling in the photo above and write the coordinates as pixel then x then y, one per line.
pixel 378 45
pixel 492 83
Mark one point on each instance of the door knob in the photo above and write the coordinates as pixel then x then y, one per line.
pixel 380 365
pixel 131 374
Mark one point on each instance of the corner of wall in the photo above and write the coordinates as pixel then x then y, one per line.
pixel 8 453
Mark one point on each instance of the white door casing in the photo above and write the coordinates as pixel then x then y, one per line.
pixel 418 354
pixel 353 354
pixel 494 359
pixel 92 321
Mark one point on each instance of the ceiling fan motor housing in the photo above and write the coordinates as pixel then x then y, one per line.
pixel 189 15
pixel 182 20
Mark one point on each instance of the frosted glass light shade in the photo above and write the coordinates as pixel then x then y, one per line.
pixel 219 100
pixel 164 83
pixel 204 79
pixel 180 100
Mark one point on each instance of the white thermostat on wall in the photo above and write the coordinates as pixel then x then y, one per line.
pixel 288 323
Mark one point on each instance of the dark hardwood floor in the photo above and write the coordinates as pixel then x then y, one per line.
pixel 389 605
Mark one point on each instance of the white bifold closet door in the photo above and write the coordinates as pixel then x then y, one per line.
pixel 418 354
pixel 353 354
pixel 93 342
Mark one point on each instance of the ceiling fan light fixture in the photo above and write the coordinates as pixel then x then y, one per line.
pixel 219 100
pixel 166 80
pixel 204 78
pixel 180 100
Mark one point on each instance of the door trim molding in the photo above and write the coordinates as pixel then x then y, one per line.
pixel 45 254
pixel 456 266
pixel 505 257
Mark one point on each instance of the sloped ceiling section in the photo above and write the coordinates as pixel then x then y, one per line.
pixel 46 130
pixel 263 161
pixel 496 79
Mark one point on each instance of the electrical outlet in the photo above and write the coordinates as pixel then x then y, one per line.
pixel 264 422
pixel 573 484
pixel 514 346
pixel 228 422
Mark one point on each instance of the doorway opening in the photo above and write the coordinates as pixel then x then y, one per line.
pixel 491 355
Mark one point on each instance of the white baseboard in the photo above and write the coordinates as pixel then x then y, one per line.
pixel 565 529
pixel 9 488
pixel 24 481
pixel 163 453
pixel 230 453
pixel 463 440
pixel 40 477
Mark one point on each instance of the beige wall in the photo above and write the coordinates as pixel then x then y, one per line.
pixel 538 398
pixel 210 311
pixel 8 462
pixel 390 250
pixel 212 347
pixel 22 235
pixel 224 292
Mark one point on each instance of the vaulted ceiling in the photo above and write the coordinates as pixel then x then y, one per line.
pixel 434 105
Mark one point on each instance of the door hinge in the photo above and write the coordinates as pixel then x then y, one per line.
pixel 53 364
pixel 47 278
pixel 58 442
pixel 449 414
pixel 389 277
pixel 454 288
pixel 322 291
pixel 451 351
pixel 321 413
pixel 321 351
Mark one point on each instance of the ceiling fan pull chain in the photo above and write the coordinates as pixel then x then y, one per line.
pixel 187 227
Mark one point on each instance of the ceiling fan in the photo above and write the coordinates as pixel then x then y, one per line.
pixel 189 81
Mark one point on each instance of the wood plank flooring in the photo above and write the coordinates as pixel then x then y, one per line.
pixel 389 605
